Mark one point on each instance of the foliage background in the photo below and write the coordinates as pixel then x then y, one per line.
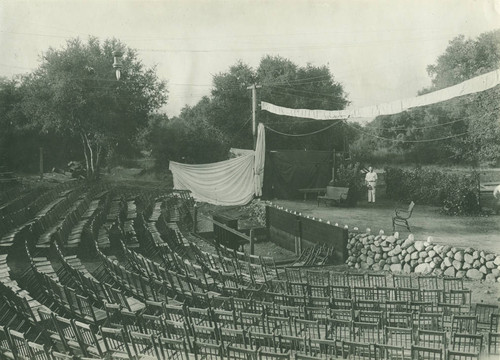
pixel 456 194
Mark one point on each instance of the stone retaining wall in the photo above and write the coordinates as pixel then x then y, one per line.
pixel 395 254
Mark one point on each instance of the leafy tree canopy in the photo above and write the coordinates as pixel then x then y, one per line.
pixel 223 119
pixel 462 130
pixel 74 92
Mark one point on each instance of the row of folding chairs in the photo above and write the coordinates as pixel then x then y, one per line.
pixel 62 227
pixel 99 292
pixel 18 224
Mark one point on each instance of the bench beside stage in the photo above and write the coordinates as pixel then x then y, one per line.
pixel 335 195
pixel 317 191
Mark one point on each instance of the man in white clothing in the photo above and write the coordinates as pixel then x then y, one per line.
pixel 496 195
pixel 371 184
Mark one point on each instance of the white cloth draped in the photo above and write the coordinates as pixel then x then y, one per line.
pixel 474 85
pixel 260 156
pixel 229 182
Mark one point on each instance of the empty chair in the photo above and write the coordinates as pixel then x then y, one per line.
pixel 453 283
pixel 493 343
pixel 357 351
pixel 403 281
pixel 207 351
pixel 355 280
pixel 431 338
pixel 483 313
pixel 402 216
pixel 175 349
pixel 461 355
pixel 464 324
pixel 399 336
pixel 240 353
pixel 428 282
pixel 427 353
pixel 467 342
pixel 377 280
pixel 38 351
pixel 115 343
pixel 144 346
pixel 388 352
pixel 272 355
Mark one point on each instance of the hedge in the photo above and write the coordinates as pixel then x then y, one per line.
pixel 456 194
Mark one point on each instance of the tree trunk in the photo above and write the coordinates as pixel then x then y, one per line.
pixel 85 152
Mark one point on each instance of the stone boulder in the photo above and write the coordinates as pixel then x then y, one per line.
pixel 419 245
pixel 396 268
pixel 457 264
pixel 459 255
pixel 423 269
pixel 490 264
pixel 474 274
pixel 490 278
pixel 407 243
pixel 468 259
pixel 407 268
pixel 449 272
pixel 497 261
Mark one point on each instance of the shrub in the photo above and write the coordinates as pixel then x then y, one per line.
pixel 456 194
pixel 350 176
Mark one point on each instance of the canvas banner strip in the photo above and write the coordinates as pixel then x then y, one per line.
pixel 471 86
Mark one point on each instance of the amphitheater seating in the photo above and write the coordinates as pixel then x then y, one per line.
pixel 162 297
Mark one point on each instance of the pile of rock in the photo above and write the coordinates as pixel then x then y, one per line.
pixel 392 253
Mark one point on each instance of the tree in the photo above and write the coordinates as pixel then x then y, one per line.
pixel 74 92
pixel 283 83
pixel 464 59
pixel 469 126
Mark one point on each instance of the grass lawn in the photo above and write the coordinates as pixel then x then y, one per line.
pixel 482 233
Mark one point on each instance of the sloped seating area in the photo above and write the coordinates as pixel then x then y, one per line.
pixel 133 286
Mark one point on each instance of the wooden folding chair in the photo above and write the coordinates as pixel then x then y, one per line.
pixel 240 353
pixel 144 346
pixel 20 347
pixel 115 343
pixel 493 343
pixel 38 351
pixel 404 281
pixel 388 352
pixel 271 355
pixel 355 280
pixel 431 338
pixel 464 324
pixel 377 280
pixel 428 282
pixel 467 342
pixel 90 342
pixel 399 336
pixel 357 351
pixel 207 351
pixel 483 313
pixel 172 349
pixel 430 321
pixel 461 355
pixel 368 332
pixel 422 352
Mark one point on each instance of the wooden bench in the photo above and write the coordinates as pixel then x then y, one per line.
pixel 336 195
pixel 317 191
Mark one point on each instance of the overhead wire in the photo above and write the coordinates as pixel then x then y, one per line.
pixel 301 135
pixel 411 141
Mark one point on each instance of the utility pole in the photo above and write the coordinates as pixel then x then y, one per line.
pixel 254 88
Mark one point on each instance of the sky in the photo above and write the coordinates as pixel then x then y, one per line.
pixel 377 49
